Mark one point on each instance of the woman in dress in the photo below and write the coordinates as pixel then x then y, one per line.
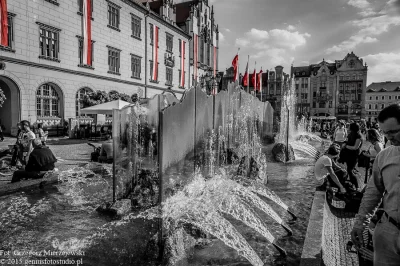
pixel 352 150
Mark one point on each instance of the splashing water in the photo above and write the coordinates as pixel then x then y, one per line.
pixel 202 203
pixel 83 187
pixel 288 114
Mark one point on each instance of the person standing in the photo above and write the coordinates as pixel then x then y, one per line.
pixel 26 142
pixel 377 143
pixel 340 134
pixel 352 150
pixel 384 185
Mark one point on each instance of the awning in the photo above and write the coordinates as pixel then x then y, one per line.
pixel 105 108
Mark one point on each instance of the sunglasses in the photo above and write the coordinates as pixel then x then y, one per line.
pixel 391 132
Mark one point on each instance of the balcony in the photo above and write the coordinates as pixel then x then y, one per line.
pixel 323 98
pixel 169 60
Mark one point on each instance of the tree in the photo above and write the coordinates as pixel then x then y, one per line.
pixel 134 98
pixel 99 97
pixel 95 98
pixel 125 97
pixel 2 98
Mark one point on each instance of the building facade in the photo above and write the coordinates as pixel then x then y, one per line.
pixel 275 88
pixel 333 89
pixel 380 95
pixel 45 69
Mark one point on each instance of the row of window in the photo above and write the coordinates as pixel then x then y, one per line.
pixel 48 100
pixel 351 77
pixel 396 97
pixel 49 43
pixel 375 106
pixel 322 104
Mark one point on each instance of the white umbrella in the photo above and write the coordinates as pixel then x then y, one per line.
pixel 105 108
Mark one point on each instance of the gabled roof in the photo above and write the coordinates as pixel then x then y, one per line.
pixel 302 71
pixel 387 86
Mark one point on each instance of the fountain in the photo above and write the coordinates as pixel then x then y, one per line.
pixel 210 189
pixel 290 137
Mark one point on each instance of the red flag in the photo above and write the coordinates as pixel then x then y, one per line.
pixel 259 81
pixel 253 79
pixel 87 32
pixel 235 64
pixel 155 53
pixel 182 77
pixel 4 23
pixel 246 76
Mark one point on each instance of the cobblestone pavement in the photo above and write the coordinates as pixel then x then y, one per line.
pixel 69 152
pixel 336 234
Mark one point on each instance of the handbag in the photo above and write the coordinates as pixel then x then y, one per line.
pixel 363 161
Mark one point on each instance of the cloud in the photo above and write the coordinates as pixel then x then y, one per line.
pixel 242 42
pixel 383 67
pixel 221 37
pixel 276 56
pixel 227 30
pixel 288 39
pixel 359 3
pixel 369 25
pixel 351 43
pixel 273 47
pixel 366 7
pixel 256 34
pixel 261 39
pixel 291 27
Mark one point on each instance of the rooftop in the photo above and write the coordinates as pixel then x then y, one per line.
pixel 387 86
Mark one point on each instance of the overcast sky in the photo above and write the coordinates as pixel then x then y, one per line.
pixel 279 32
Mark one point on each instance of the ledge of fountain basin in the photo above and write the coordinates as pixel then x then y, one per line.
pixel 311 255
pixel 28 184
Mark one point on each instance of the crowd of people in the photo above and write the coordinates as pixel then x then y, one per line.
pixel 380 192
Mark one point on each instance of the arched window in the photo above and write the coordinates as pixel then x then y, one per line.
pixel 47 101
pixel 79 100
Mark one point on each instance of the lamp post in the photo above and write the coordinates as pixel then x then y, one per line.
pixel 349 109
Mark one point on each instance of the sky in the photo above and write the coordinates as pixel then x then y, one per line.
pixel 303 32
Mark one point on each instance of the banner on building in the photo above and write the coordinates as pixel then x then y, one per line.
pixel 155 53
pixel 87 32
pixel 182 77
pixel 4 23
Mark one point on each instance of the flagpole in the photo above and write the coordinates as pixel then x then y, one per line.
pixel 261 83
pixel 255 77
pixel 237 74
pixel 248 70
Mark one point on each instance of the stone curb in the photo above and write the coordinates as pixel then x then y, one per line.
pixel 28 184
pixel 311 255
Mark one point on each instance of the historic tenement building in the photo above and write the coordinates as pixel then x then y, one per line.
pixel 332 89
pixel 380 95
pixel 275 88
pixel 57 51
